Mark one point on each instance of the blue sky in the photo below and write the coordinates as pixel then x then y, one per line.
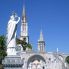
pixel 52 16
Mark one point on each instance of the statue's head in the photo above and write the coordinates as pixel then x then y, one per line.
pixel 13 16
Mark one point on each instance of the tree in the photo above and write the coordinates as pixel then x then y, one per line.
pixel 29 46
pixel 24 44
pixel 67 59
pixel 2 48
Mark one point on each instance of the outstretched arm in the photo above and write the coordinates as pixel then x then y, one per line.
pixel 18 20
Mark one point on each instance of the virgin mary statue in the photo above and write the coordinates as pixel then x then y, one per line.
pixel 11 34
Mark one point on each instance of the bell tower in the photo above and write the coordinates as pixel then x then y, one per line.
pixel 24 27
pixel 41 43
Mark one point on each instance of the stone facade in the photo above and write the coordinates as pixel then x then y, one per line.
pixel 35 60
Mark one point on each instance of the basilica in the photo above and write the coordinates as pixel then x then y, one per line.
pixel 17 58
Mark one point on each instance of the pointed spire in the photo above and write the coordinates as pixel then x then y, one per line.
pixel 24 14
pixel 41 36
pixel 41 43
pixel 24 25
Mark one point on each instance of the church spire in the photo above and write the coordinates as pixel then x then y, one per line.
pixel 41 36
pixel 41 43
pixel 24 14
pixel 24 26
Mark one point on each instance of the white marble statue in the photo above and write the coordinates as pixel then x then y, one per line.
pixel 11 34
